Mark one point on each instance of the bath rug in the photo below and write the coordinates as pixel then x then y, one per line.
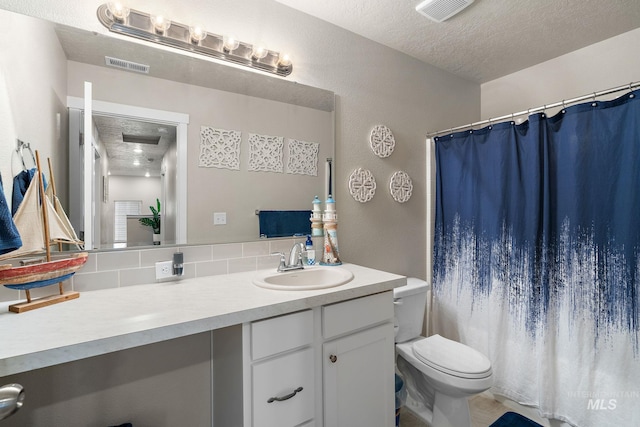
pixel 511 419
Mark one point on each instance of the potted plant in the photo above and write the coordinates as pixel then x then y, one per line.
pixel 154 222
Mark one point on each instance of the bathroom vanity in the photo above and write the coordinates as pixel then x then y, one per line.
pixel 266 357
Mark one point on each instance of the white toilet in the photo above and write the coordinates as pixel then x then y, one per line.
pixel 435 368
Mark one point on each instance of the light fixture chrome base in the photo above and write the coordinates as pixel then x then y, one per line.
pixel 138 24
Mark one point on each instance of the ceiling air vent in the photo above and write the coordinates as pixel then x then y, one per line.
pixel 141 139
pixel 126 65
pixel 441 10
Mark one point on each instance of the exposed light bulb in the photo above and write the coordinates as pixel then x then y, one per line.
pixel 160 23
pixel 118 10
pixel 259 52
pixel 230 43
pixel 197 33
pixel 284 61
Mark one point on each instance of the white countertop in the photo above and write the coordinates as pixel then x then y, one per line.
pixel 110 320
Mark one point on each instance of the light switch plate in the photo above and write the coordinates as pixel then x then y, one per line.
pixel 219 218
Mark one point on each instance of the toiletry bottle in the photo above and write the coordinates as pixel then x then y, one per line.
pixel 311 253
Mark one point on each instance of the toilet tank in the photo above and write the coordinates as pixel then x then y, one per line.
pixel 409 304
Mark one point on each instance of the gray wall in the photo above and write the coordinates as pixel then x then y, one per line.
pixel 32 103
pixel 594 68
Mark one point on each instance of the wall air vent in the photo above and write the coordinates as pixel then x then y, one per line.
pixel 126 65
pixel 441 10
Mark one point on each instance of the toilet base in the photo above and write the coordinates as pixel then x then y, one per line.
pixel 451 411
pixel 419 409
pixel 447 411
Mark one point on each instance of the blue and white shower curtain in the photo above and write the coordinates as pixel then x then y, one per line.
pixel 537 257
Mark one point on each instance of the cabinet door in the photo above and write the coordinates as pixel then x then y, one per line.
pixel 358 379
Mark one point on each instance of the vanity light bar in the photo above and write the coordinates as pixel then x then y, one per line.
pixel 139 25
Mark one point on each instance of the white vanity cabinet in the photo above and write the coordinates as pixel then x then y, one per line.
pixel 329 366
pixel 357 359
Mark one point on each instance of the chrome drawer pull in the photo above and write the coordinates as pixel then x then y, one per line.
pixel 287 397
pixel 333 358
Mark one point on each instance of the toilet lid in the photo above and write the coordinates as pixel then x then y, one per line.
pixel 452 357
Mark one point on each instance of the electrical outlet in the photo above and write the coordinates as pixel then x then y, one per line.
pixel 164 269
pixel 219 218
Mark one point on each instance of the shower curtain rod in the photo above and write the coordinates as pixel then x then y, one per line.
pixel 562 103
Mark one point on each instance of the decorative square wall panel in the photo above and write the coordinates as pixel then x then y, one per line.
pixel 265 153
pixel 303 157
pixel 219 148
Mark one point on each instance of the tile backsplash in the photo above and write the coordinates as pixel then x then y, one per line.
pixel 115 269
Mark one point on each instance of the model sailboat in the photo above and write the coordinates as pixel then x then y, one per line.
pixel 39 226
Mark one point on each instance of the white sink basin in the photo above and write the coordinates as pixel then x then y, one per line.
pixel 306 279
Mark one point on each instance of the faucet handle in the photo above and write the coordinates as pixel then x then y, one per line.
pixel 283 260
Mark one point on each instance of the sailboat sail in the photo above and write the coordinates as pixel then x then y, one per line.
pixel 65 232
pixel 28 221
pixel 30 225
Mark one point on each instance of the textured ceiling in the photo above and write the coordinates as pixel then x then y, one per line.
pixel 123 154
pixel 488 39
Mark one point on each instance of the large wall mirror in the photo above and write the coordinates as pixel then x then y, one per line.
pixel 43 70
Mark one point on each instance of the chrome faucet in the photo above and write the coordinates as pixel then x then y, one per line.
pixel 295 258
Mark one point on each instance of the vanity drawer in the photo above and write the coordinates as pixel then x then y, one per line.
pixel 280 377
pixel 343 317
pixel 278 334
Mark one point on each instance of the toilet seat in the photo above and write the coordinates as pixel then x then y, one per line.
pixel 451 357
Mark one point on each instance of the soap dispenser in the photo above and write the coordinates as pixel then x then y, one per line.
pixel 311 253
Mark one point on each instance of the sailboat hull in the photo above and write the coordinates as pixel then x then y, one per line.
pixel 43 274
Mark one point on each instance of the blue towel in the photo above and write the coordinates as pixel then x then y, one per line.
pixel 284 223
pixel 20 185
pixel 9 237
